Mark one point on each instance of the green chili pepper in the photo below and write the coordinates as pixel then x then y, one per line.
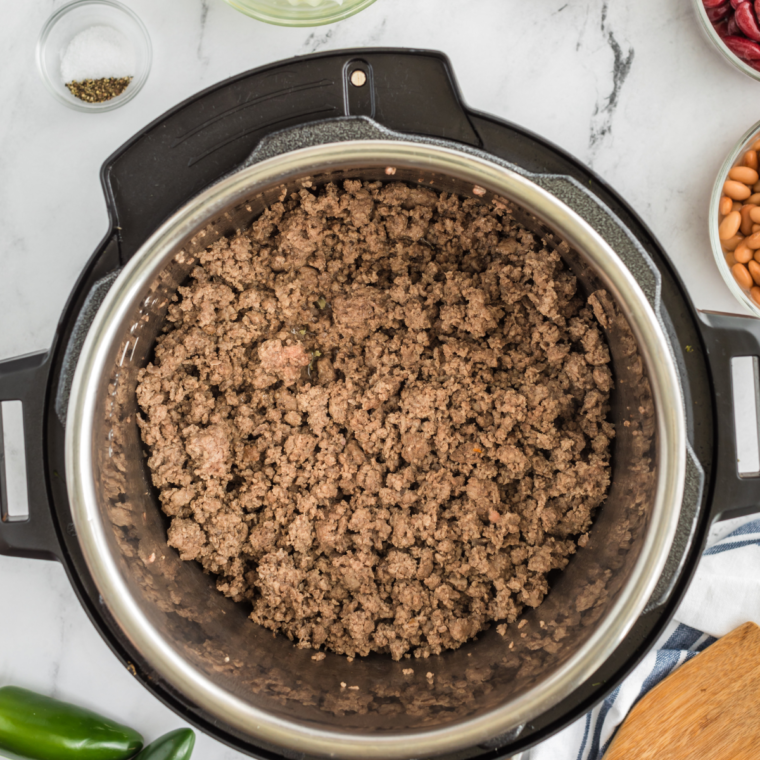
pixel 34 727
pixel 176 745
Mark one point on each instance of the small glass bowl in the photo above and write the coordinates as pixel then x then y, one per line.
pixel 66 23
pixel 714 37
pixel 723 259
pixel 287 13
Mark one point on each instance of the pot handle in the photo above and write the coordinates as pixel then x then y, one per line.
pixel 728 338
pixel 191 146
pixel 26 527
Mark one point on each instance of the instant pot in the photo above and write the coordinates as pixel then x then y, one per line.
pixel 206 169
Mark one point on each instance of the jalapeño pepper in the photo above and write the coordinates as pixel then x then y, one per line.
pixel 176 745
pixel 34 727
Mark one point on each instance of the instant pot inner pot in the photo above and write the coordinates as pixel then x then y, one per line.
pixel 370 696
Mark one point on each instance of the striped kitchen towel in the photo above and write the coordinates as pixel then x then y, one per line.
pixel 724 594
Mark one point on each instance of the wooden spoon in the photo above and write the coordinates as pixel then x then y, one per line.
pixel 709 709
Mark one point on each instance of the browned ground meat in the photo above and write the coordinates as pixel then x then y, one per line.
pixel 379 415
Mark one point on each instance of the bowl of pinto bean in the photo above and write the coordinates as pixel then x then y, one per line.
pixel 733 26
pixel 734 220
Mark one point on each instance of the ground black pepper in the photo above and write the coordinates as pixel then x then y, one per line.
pixel 98 90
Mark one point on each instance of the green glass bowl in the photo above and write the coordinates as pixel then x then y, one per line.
pixel 286 13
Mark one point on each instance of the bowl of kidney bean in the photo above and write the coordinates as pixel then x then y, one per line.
pixel 734 220
pixel 733 26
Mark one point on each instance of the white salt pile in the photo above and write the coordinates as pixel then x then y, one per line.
pixel 97 52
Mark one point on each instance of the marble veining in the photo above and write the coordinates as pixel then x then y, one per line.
pixel 316 41
pixel 202 57
pixel 601 119
pixel 632 89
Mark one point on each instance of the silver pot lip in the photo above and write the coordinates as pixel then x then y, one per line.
pixel 100 346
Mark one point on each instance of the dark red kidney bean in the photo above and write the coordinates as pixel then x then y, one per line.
pixel 747 21
pixel 757 8
pixel 718 14
pixel 743 47
pixel 714 3
pixel 732 27
pixel 721 29
pixel 734 3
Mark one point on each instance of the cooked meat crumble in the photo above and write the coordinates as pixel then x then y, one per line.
pixel 379 417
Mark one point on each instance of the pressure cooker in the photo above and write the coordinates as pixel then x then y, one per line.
pixel 206 169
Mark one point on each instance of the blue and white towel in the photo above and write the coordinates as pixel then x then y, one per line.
pixel 724 594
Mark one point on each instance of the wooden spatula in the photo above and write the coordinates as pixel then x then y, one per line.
pixel 709 709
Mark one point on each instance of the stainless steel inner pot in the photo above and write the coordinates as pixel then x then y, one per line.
pixel 262 686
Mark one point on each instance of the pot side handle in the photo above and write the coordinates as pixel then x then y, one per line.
pixel 26 524
pixel 732 343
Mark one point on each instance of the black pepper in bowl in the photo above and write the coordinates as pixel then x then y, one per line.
pixel 98 90
pixel 96 64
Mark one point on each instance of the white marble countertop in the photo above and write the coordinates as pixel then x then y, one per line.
pixel 631 89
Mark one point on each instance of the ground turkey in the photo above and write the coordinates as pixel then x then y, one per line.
pixel 378 416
